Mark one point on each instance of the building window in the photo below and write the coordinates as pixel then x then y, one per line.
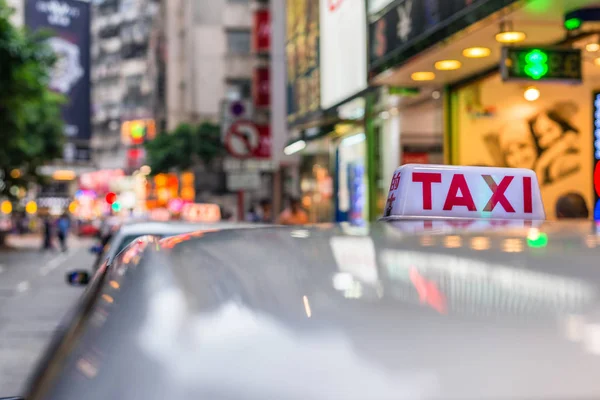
pixel 238 89
pixel 238 41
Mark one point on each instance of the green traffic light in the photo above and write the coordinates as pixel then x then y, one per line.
pixel 116 207
pixel 572 23
pixel 137 131
pixel 536 64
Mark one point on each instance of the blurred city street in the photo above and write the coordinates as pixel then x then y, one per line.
pixel 33 299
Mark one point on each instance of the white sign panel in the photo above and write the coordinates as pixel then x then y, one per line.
pixel 243 181
pixel 429 191
pixel 343 50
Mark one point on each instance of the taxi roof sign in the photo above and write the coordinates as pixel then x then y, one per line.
pixel 445 191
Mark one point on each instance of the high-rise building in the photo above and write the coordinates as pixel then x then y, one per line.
pixel 210 57
pixel 126 43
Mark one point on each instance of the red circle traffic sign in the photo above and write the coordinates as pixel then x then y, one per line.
pixel 242 139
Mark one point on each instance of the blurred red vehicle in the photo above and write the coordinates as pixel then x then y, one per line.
pixel 88 228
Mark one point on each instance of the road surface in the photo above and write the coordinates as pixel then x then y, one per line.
pixel 33 299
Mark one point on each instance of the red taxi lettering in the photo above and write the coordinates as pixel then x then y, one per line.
pixel 454 200
pixel 527 198
pixel 498 193
pixel 427 178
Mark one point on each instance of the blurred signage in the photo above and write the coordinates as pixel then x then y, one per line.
pixel 302 59
pixel 69 22
pixel 99 181
pixel 541 64
pixel 261 90
pixel 235 110
pixel 122 184
pixel 352 110
pixel 231 164
pixel 261 32
pixel 596 156
pixel 135 157
pixel 198 212
pixel 247 180
pixel 245 139
pixel 405 28
pixel 138 131
pixel 160 214
pixel 343 42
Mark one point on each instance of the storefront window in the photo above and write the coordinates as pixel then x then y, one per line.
pixel 352 179
pixel 316 184
pixel 495 125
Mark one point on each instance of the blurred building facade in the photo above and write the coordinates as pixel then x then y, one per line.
pixel 209 59
pixel 126 52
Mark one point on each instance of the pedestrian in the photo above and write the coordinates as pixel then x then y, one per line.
pixel 294 214
pixel 252 215
pixel 266 210
pixel 63 225
pixel 571 206
pixel 47 231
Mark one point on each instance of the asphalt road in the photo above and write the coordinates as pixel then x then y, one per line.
pixel 33 299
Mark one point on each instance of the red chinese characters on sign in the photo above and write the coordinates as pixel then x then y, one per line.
pixel 389 205
pixel 261 90
pixel 261 40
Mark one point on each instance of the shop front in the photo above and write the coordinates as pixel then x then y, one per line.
pixel 516 88
pixel 327 80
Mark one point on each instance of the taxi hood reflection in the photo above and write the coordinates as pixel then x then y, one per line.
pixel 246 348
pixel 481 287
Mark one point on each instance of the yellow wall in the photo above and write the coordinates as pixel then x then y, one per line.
pixel 494 125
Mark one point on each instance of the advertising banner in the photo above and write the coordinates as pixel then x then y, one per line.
pixel 261 31
pixel 261 90
pixel 302 58
pixel 495 126
pixel 69 22
pixel 408 22
pixel 343 50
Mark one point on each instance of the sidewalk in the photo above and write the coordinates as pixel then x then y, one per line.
pixel 29 241
pixel 33 241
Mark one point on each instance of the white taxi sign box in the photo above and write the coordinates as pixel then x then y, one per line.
pixel 201 212
pixel 443 191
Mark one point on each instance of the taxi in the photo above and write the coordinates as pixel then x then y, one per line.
pixel 462 291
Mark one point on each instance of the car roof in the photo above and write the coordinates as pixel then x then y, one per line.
pixel 174 227
pixel 383 311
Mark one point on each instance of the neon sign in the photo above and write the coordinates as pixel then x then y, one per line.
pixel 597 155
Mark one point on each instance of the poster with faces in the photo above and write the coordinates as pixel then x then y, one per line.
pixel 496 126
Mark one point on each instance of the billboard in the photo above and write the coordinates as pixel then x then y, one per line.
pixel 261 31
pixel 496 126
pixel 261 87
pixel 69 23
pixel 302 58
pixel 343 50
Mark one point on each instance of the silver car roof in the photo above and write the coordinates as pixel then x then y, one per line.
pixel 330 312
